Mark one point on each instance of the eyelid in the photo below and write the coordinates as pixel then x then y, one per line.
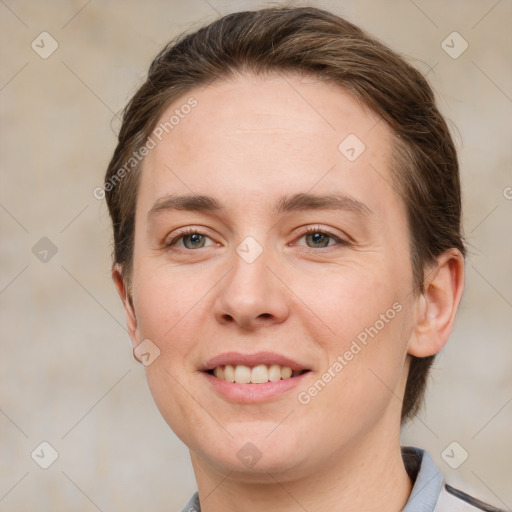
pixel 189 230
pixel 319 229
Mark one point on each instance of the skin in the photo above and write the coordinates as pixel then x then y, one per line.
pixel 248 142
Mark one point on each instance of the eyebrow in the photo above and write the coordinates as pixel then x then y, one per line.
pixel 285 204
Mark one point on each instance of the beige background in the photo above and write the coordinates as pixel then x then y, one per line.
pixel 67 373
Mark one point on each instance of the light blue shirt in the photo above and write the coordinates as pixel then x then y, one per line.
pixel 430 492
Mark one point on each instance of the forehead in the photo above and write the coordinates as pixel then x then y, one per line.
pixel 251 136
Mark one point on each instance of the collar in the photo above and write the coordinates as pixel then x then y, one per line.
pixel 427 479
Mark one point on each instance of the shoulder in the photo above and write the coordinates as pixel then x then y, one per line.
pixel 193 504
pixel 431 492
pixel 454 500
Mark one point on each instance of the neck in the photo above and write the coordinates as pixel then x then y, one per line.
pixel 366 477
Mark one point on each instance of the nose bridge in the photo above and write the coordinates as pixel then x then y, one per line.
pixel 251 293
pixel 250 271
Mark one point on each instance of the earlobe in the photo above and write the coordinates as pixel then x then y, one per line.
pixel 438 304
pixel 126 298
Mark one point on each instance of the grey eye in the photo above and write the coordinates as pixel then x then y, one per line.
pixel 319 239
pixel 196 241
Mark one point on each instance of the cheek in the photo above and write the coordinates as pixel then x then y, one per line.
pixel 362 377
pixel 168 312
pixel 367 327
pixel 348 298
pixel 165 303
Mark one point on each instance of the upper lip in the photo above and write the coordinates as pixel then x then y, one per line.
pixel 267 358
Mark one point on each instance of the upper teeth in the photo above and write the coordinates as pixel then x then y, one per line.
pixel 259 374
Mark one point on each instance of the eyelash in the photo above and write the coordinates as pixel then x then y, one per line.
pixel 317 229
pixel 311 230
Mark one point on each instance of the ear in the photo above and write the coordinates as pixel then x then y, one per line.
pixel 126 298
pixel 438 304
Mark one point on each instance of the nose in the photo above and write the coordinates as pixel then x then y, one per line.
pixel 252 295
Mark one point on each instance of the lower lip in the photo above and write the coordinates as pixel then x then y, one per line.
pixel 253 393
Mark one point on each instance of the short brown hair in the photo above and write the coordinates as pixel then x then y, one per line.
pixel 309 42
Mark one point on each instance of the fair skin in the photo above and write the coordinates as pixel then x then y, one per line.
pixel 249 142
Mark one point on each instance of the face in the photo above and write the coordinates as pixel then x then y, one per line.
pixel 294 274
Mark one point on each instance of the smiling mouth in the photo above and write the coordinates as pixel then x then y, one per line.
pixel 259 374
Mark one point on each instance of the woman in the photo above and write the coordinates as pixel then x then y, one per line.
pixel 286 207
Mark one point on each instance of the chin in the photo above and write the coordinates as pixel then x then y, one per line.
pixel 256 459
